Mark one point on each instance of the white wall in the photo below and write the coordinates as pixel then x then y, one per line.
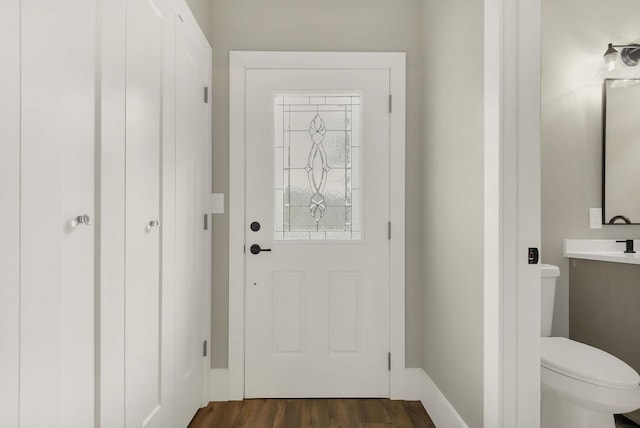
pixel 575 34
pixel 453 197
pixel 330 25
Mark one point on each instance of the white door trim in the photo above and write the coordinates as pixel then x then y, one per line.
pixel 240 62
pixel 512 213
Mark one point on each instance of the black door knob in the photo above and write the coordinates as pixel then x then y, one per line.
pixel 255 226
pixel 255 249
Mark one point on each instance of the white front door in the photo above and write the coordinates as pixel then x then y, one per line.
pixel 317 204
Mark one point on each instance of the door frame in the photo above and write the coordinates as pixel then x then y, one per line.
pixel 512 68
pixel 239 63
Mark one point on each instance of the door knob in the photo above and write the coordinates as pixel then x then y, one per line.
pixel 81 219
pixel 255 249
pixel 153 224
pixel 255 226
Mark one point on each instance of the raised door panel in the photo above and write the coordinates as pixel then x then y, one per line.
pixel 9 213
pixel 147 364
pixel 344 313
pixel 57 340
pixel 287 314
pixel 191 136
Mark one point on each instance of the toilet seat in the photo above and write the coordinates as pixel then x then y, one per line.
pixel 586 363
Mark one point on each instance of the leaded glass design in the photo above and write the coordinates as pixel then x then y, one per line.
pixel 317 167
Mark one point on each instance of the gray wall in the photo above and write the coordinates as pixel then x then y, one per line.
pixel 201 10
pixel 330 25
pixel 453 203
pixel 575 34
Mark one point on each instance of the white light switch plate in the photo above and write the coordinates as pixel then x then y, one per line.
pixel 217 203
pixel 595 218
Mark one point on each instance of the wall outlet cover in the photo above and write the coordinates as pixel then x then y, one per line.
pixel 217 203
pixel 595 218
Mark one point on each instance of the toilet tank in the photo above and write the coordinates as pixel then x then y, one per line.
pixel 548 276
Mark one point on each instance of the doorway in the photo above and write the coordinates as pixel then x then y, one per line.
pixel 317 186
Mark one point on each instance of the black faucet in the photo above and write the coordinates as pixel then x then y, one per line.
pixel 629 246
pixel 619 217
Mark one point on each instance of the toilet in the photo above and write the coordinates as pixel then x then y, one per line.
pixel 581 386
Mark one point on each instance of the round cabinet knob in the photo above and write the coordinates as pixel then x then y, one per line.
pixel 153 224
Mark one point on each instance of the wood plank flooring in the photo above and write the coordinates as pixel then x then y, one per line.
pixel 307 413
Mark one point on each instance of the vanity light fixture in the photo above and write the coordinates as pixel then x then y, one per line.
pixel 630 54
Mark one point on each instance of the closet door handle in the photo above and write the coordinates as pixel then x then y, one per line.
pixel 81 219
pixel 153 224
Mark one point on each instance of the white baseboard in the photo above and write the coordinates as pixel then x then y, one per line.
pixel 218 385
pixel 417 385
pixel 407 385
pixel 411 387
pixel 436 404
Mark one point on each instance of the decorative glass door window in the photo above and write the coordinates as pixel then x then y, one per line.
pixel 318 167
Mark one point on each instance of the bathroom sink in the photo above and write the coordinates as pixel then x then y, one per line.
pixel 606 250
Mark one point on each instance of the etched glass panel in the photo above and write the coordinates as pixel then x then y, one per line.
pixel 317 167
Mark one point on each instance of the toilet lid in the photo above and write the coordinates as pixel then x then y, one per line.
pixel 586 363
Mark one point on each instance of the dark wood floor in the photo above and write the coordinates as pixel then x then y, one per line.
pixel 321 413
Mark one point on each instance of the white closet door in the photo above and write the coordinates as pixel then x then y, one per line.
pixel 9 213
pixel 204 159
pixel 57 330
pixel 191 138
pixel 148 365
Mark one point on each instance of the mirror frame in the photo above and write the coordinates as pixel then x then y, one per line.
pixel 616 217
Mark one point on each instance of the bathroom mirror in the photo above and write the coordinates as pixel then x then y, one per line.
pixel 621 152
